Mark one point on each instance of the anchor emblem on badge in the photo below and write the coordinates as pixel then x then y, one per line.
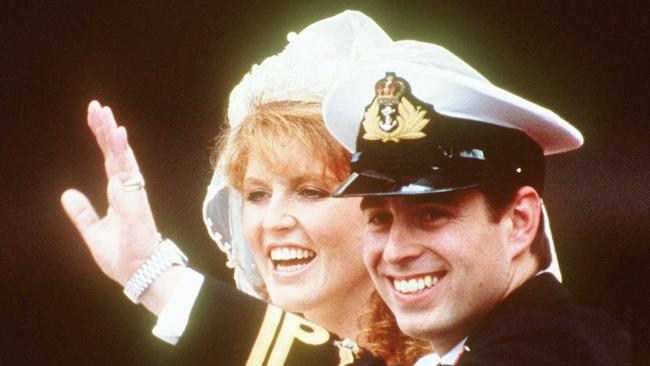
pixel 388 123
pixel 392 115
pixel 389 91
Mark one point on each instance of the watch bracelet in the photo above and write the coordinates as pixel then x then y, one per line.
pixel 166 256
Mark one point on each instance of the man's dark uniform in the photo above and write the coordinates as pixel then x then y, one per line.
pixel 537 324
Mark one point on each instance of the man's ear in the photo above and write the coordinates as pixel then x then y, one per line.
pixel 524 213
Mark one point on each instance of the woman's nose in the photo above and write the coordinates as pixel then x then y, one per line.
pixel 278 215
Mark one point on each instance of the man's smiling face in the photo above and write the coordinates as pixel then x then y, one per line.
pixel 440 262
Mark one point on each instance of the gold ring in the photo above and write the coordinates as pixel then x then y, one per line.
pixel 135 183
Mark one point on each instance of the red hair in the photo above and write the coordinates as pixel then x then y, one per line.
pixel 380 334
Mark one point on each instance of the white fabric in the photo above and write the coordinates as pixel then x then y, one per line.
pixel 222 217
pixel 450 358
pixel 432 359
pixel 173 318
pixel 454 91
pixel 320 54
pixel 554 267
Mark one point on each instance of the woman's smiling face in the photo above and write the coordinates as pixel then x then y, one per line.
pixel 307 245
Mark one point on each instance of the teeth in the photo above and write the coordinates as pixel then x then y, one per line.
pixel 415 284
pixel 291 268
pixel 279 254
pixel 412 286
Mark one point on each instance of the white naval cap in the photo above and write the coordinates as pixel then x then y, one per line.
pixel 452 88
pixel 425 121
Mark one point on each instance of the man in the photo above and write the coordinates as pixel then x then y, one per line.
pixel 451 172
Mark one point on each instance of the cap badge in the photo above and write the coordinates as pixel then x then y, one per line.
pixel 392 116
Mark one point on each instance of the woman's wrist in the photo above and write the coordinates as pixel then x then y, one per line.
pixel 158 294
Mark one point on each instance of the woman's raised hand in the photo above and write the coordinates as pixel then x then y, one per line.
pixel 126 236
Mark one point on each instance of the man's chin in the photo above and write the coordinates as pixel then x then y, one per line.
pixel 414 326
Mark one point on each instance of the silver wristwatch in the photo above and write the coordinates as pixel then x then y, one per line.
pixel 166 256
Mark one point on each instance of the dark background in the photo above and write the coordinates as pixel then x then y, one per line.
pixel 166 69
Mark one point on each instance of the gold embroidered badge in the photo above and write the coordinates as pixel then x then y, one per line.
pixel 392 116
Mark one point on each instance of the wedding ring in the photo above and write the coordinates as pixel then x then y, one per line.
pixel 135 183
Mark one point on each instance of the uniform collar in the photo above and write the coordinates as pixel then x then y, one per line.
pixel 450 358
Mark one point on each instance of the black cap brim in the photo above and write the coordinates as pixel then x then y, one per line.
pixel 436 180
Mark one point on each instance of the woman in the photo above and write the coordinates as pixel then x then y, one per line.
pixel 289 242
pixel 305 247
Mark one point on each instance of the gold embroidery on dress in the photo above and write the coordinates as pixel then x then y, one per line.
pixel 287 328
pixel 265 336
pixel 348 351
pixel 295 327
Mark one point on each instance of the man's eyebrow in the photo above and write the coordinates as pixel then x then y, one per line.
pixel 447 198
pixel 371 202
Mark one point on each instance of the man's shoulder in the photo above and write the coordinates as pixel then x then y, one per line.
pixel 541 323
pixel 544 305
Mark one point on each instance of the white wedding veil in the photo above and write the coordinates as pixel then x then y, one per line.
pixel 311 61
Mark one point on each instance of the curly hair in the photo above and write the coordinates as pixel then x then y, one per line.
pixel 380 334
pixel 274 130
